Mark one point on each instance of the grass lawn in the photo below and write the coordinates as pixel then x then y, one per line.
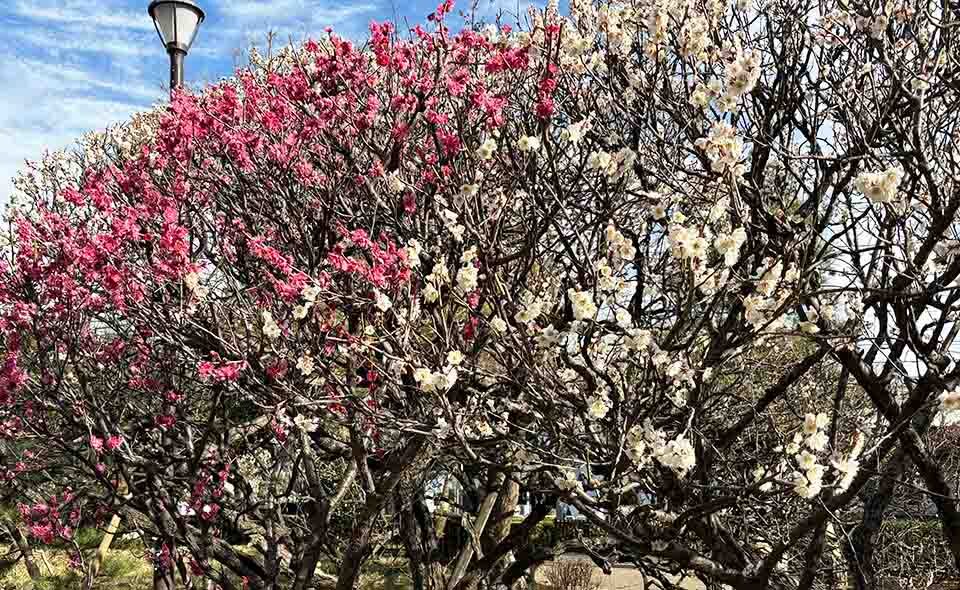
pixel 122 569
pixel 126 568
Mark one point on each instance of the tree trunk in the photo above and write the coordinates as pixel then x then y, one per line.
pixel 102 550
pixel 500 525
pixel 420 543
pixel 860 549
pixel 163 578
pixel 467 553
pixel 503 512
pixel 164 567
pixel 25 551
pixel 358 548
pixel 184 574
pixel 812 557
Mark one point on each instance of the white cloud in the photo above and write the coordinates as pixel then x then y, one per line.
pixel 77 40
pixel 301 14
pixel 88 13
pixel 48 106
pixel 80 66
pixel 240 24
pixel 84 65
pixel 79 79
pixel 258 9
pixel 339 15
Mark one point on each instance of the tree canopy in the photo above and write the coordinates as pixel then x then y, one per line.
pixel 688 266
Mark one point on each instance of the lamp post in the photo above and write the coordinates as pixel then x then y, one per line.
pixel 177 23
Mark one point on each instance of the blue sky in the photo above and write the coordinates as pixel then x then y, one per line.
pixel 80 65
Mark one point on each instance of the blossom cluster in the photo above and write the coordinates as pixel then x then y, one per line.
pixel 879 187
pixel 646 442
pixel 499 252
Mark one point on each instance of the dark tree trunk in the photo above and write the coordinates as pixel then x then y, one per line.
pixel 860 550
pixel 163 576
pixel 23 546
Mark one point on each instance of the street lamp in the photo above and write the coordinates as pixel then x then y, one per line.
pixel 177 22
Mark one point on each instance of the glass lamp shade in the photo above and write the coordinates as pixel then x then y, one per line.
pixel 177 22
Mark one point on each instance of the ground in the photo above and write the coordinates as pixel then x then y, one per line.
pixel 622 578
pixel 126 569
pixel 122 570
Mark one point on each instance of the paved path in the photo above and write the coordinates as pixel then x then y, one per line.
pixel 622 578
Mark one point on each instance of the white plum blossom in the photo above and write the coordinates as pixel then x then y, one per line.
pixel 679 455
pixel 813 425
pixel 305 364
pixel 806 460
pixel 728 245
pixel 498 324
pixel 382 302
pixel 548 336
pixel 700 96
pixel 599 161
pixel 849 466
pixel 645 442
pixel 695 37
pixel 760 473
pixel 468 191
pixel 413 250
pixel 310 293
pixel 451 221
pixel 659 211
pixel 817 441
pixel 950 401
pixel 793 447
pixel 469 255
pixel 483 428
pixel 879 187
pixel 686 243
pixel 607 280
pixel 441 380
pixel 723 147
pixel 814 422
pixel 306 423
pixel 621 246
pixel 770 279
pixel 742 75
pixel 487 149
pixel 598 407
pixel 439 275
pixel 569 482
pixel 467 278
pixel 574 133
pixel 270 328
pixel 394 183
pixel 719 210
pixel 421 374
pixel 430 293
pixel 637 450
pixel 638 340
pixel 191 280
pixel 805 487
pixel 530 311
pixel 528 143
pixel 584 307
